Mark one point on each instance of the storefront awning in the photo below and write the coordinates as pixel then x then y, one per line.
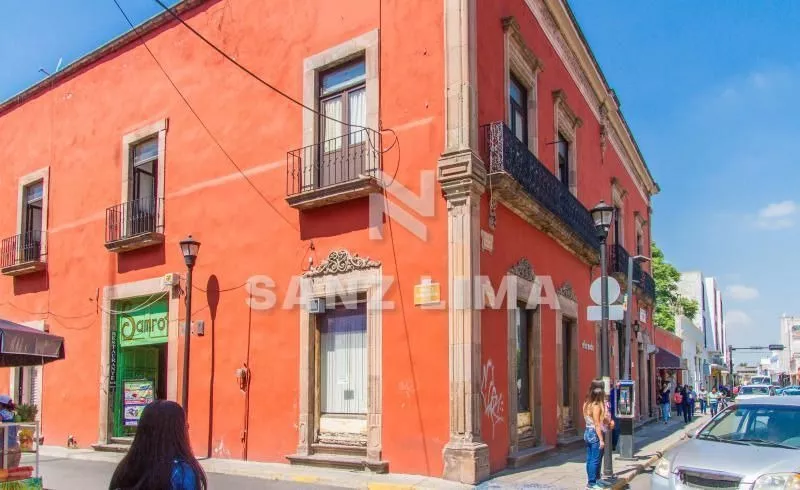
pixel 667 360
pixel 25 346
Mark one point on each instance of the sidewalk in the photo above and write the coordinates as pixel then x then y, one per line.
pixel 563 470
pixel 567 470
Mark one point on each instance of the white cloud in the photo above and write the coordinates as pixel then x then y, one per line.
pixel 741 292
pixel 777 215
pixel 736 318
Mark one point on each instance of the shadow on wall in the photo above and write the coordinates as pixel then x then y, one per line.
pixel 212 296
pixel 335 220
pixel 141 258
pixel 32 283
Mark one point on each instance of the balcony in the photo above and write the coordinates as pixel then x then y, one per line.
pixel 336 170
pixel 529 189
pixel 618 261
pixel 22 254
pixel 648 286
pixel 134 224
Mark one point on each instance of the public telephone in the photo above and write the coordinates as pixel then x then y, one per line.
pixel 626 399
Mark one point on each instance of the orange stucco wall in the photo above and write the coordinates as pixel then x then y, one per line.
pixel 76 128
pixel 514 239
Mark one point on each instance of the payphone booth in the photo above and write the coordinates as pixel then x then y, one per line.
pixel 625 413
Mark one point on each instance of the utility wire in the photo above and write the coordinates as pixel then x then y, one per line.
pixel 248 71
pixel 192 110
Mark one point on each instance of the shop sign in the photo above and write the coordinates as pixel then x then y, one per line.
pixel 144 326
pixel 137 395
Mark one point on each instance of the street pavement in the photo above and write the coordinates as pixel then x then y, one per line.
pixel 641 482
pixel 65 469
pixel 72 474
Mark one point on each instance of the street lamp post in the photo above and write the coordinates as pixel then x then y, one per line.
pixel 189 248
pixel 602 214
pixel 626 449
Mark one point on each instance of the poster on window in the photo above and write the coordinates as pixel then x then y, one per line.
pixel 136 394
pixel 795 332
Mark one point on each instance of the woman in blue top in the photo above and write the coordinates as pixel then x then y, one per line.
pixel 160 457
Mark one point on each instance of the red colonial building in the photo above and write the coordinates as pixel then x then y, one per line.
pixel 358 295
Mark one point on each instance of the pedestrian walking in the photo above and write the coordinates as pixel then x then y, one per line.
pixel 666 412
pixel 713 401
pixel 703 397
pixel 160 456
pixel 688 404
pixel 678 399
pixel 594 416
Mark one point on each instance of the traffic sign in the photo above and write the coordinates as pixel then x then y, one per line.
pixel 613 290
pixel 615 313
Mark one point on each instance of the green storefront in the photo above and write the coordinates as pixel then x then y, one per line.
pixel 138 360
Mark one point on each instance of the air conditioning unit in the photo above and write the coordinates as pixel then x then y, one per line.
pixel 171 279
pixel 316 305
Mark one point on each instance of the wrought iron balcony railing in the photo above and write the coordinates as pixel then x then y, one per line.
pixel 345 159
pixel 618 259
pixel 21 249
pixel 133 219
pixel 648 285
pixel 503 152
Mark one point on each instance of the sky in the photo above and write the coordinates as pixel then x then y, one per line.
pixel 708 88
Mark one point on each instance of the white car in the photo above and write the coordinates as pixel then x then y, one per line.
pixel 754 391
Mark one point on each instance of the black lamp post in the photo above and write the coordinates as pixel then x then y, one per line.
pixel 602 215
pixel 189 248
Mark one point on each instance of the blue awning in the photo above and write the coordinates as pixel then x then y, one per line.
pixel 667 360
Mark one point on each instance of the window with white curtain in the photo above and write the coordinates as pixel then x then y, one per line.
pixel 343 98
pixel 343 360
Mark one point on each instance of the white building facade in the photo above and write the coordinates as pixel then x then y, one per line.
pixel 790 338
pixel 693 352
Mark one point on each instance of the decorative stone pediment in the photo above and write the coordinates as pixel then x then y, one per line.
pixel 342 262
pixel 523 269
pixel 566 291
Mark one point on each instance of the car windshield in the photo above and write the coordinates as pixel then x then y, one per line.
pixel 754 390
pixel 777 426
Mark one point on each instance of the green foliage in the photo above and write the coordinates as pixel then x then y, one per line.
pixel 668 301
pixel 27 413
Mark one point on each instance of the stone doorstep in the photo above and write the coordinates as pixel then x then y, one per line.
pixel 527 456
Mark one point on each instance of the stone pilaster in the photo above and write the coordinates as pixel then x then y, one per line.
pixel 466 456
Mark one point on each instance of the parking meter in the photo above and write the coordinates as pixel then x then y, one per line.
pixel 626 399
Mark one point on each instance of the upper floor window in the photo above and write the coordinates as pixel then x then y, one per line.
pixel 343 98
pixel 33 206
pixel 639 243
pixel 144 169
pixel 563 159
pixel 617 225
pixel 518 109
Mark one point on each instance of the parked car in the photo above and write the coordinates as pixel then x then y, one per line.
pixel 753 443
pixel 790 391
pixel 755 391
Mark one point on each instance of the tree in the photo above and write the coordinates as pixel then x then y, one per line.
pixel 668 301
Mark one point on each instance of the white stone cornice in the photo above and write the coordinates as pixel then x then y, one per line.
pixel 564 35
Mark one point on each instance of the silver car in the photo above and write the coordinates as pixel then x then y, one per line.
pixel 753 444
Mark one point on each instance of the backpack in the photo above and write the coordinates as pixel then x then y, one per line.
pixel 678 397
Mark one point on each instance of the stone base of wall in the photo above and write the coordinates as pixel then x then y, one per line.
pixel 466 462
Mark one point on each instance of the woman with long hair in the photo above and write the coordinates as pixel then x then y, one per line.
pixel 160 457
pixel 594 415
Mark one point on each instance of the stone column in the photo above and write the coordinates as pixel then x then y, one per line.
pixel 466 456
pixel 462 176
